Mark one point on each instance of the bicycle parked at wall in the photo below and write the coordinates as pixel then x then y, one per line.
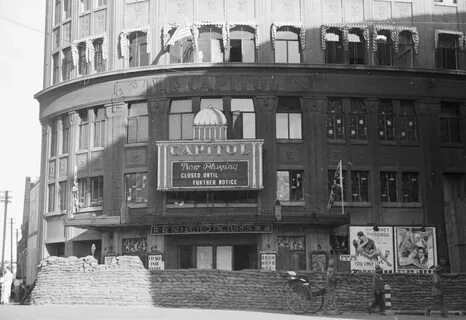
pixel 304 296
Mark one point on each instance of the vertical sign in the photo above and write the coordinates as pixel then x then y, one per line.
pixel 268 260
pixel 155 262
pixel 371 248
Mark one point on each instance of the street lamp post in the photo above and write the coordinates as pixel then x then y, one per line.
pixel 4 197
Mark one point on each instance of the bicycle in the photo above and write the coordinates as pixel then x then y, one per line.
pixel 304 296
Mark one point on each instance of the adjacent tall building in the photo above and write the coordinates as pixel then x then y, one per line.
pixel 207 134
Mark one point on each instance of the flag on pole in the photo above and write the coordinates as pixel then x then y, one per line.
pixel 337 186
pixel 180 33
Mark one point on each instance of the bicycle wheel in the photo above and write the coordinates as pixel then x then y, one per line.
pixel 298 296
pixel 317 298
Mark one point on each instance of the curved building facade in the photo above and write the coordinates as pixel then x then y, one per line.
pixel 251 134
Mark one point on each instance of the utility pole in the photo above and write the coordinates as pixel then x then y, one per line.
pixel 11 245
pixel 4 197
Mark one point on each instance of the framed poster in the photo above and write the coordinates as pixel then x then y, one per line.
pixel 155 262
pixel 416 249
pixel 319 261
pixel 371 246
pixel 268 260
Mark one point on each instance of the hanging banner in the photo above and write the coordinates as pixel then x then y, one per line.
pixel 369 248
pixel 416 249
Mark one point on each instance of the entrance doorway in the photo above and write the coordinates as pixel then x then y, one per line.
pixel 217 257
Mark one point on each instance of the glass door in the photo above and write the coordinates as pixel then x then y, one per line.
pixel 204 257
pixel 224 258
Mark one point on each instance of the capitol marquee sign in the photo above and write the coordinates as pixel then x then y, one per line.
pixel 194 165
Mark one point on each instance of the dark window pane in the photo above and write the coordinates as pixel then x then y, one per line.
pixel 388 186
pixel 410 182
pixel 360 186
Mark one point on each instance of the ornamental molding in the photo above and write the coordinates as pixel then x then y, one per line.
pixel 395 35
pixel 459 34
pixel 345 29
pixel 296 25
pixel 88 42
pixel 124 41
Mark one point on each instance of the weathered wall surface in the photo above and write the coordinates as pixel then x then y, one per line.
pixel 126 282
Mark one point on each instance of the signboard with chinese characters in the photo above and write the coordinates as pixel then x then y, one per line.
pixel 268 260
pixel 371 246
pixel 211 228
pixel 155 262
pixel 415 249
pixel 209 165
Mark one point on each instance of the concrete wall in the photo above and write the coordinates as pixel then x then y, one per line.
pixel 126 282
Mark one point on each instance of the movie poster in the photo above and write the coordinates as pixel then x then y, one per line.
pixel 371 248
pixel 416 249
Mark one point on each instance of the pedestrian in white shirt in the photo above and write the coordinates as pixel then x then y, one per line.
pixel 6 281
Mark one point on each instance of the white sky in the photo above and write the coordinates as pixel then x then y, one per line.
pixel 21 63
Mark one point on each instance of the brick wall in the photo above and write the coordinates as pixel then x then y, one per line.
pixel 126 282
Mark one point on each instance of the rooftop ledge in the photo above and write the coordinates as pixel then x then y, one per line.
pixel 296 67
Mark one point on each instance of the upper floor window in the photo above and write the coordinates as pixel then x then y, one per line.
pixel 180 120
pixel 405 54
pixel 360 186
pixel 358 120
pixel 288 121
pixel 454 186
pixel 67 64
pixel 51 198
pixel 85 5
pixel 136 187
pixel 356 47
pixel 182 51
pixel 65 141
pixel 56 68
pixel 138 123
pixel 290 185
pixel 67 8
pixel 388 186
pixel 83 129
pixel 385 49
pixel 83 65
pixel 334 52
pixel 386 121
pixel 57 15
pixel 335 119
pixel 408 122
pixel 410 186
pixel 99 128
pixel 450 131
pixel 447 1
pixel 210 48
pixel 243 119
pixel 138 54
pixel 53 139
pixel 96 191
pixel 62 195
pixel 287 46
pixel 99 61
pixel 242 47
pixel 447 51
pixel 100 3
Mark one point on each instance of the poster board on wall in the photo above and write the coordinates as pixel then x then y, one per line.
pixel 155 262
pixel 415 249
pixel 370 248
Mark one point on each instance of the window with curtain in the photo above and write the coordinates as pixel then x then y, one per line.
pixel 210 47
pixel 335 52
pixel 243 119
pixel 358 120
pixel 242 47
pixel 138 123
pixel 180 120
pixel 287 46
pixel 385 49
pixel 335 119
pixel 99 61
pixel 288 119
pixel 99 128
pixel 138 55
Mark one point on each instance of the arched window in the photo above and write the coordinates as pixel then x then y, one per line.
pixel 210 48
pixel 287 46
pixel 335 52
pixel 242 48
pixel 138 54
pixel 405 55
pixel 356 47
pixel 385 50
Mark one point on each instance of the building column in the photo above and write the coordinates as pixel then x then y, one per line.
pixel 41 221
pixel 376 215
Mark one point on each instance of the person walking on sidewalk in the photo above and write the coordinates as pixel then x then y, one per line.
pixel 6 281
pixel 330 286
pixel 379 290
pixel 438 301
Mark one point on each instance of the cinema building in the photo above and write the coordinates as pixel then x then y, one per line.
pixel 206 134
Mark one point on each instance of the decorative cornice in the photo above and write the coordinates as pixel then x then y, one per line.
pixel 88 43
pixel 395 35
pixel 124 42
pixel 345 29
pixel 459 34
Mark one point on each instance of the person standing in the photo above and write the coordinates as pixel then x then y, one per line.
pixel 17 288
pixel 438 300
pixel 330 285
pixel 379 291
pixel 6 281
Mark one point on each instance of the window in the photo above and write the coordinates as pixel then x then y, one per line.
pixel 388 186
pixel 385 50
pixel 450 122
pixel 182 51
pixel 99 61
pixel 83 65
pixel 57 17
pixel 100 3
pixel 65 142
pixel 138 55
pixel 67 8
pixel 447 1
pixel 242 47
pixel 210 45
pixel 335 52
pixel 287 46
pixel 99 128
pixel 454 186
pixel 97 191
pixel 83 130
pixel 138 123
pixel 243 119
pixel 181 120
pixel 405 55
pixel 62 195
pixel 84 5
pixel 410 186
pixel 55 68
pixel 181 198
pixel 385 121
pixel 290 185
pixel 333 182
pixel 356 47
pixel 335 119
pixel 358 120
pixel 408 122
pixel 360 186
pixel 447 51
pixel 136 187
pixel 288 119
pixel 82 192
pixel 53 139
pixel 51 199
pixel 67 64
